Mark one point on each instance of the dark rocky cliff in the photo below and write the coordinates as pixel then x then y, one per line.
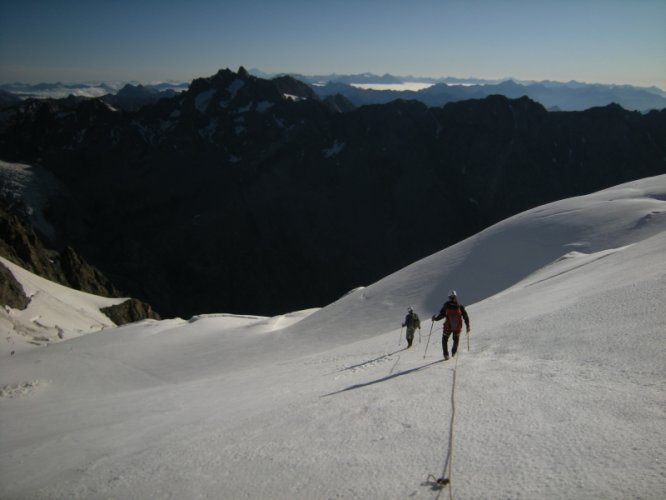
pixel 20 244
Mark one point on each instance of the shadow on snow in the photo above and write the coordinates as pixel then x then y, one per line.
pixel 383 379
pixel 373 360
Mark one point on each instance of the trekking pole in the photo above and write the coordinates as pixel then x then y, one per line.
pixel 468 340
pixel 419 334
pixel 400 337
pixel 428 343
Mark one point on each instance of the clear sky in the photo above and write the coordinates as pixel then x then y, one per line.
pixel 595 41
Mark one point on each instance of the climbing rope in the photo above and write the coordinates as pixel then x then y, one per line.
pixel 448 463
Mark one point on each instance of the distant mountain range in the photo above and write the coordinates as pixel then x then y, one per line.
pixel 60 90
pixel 248 195
pixel 554 96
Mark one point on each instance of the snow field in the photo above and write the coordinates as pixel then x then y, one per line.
pixel 560 396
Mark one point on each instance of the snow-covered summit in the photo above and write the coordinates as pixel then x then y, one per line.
pixel 560 393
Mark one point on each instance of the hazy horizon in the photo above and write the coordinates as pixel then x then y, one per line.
pixel 588 41
pixel 416 83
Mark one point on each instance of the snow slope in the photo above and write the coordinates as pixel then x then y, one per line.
pixel 560 395
pixel 55 313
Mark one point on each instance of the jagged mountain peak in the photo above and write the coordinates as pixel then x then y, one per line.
pixel 242 73
pixel 230 90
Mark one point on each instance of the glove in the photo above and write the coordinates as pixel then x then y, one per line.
pixel 469 331
pixel 433 317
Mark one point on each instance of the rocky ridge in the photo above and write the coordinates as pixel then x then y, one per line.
pixel 255 196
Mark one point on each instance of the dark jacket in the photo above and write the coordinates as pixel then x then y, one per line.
pixel 452 304
pixel 412 321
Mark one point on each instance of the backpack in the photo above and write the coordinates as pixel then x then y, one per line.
pixel 454 319
pixel 416 322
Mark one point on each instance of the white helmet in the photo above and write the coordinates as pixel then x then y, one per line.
pixel 453 294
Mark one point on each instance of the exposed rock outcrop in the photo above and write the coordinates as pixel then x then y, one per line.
pixel 20 244
pixel 130 311
pixel 11 291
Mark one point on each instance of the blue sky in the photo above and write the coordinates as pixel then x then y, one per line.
pixel 596 41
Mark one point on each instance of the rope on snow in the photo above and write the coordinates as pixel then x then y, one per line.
pixel 395 364
pixel 448 463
